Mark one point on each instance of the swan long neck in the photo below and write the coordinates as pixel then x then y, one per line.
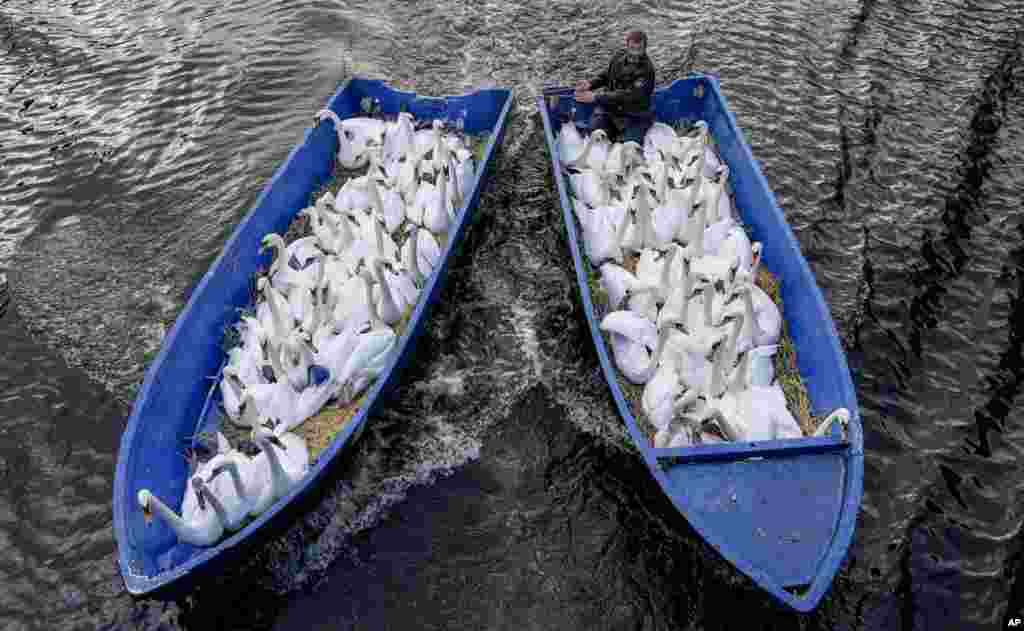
pixel 415 247
pixel 375 321
pixel 643 214
pixel 742 376
pixel 708 294
pixel 236 478
pixel 699 222
pixel 173 520
pixel 371 184
pixel 230 378
pixel 666 270
pixel 379 231
pixel 748 310
pixel 656 358
pixel 215 503
pixel 442 188
pixel 279 314
pixel 276 242
pixel 734 336
pixel 582 158
pixel 756 263
pixel 344 232
pixel 278 477
pixel 716 197
pixel 275 362
pixel 385 290
pixel 716 372
pixel 343 142
pixel 620 235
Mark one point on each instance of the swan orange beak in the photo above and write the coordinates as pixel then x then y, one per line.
pixel 147 515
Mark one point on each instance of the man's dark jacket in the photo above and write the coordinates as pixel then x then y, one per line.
pixel 630 88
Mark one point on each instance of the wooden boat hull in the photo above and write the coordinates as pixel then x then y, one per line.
pixel 782 512
pixel 176 399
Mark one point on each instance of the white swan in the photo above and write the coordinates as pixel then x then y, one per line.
pixel 603 230
pixel 664 384
pixel 231 390
pixel 661 270
pixel 281 274
pixel 399 138
pixel 631 326
pixel 659 140
pixel 598 155
pixel 287 459
pixel 366 130
pixel 295 359
pixel 439 211
pixel 622 157
pixel 619 283
pixel 389 206
pixel 275 319
pixel 350 306
pixel 201 528
pixel 352 196
pixel 236 492
pixel 387 307
pixel 350 155
pixel 423 248
pixel 763 319
pixel 750 274
pixel 250 479
pixel 751 413
pixel 633 358
pixel 368 358
pixel 840 415
pixel 332 235
pixel 570 143
pixel 589 186
pixel 662 221
pixel 465 174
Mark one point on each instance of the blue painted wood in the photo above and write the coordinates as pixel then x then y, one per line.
pixel 707 477
pixel 739 451
pixel 176 397
pixel 783 519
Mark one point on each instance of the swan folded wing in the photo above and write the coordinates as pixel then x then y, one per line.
pixel 631 326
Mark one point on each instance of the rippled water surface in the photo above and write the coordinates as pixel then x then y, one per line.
pixel 494 491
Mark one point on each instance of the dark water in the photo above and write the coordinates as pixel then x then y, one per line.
pixel 494 491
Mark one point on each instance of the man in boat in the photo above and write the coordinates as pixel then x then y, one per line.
pixel 626 108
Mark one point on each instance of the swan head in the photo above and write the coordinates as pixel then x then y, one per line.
pixel 144 498
pixel 840 416
pixel 378 266
pixel 200 486
pixel 325 199
pixel 324 113
pixel 221 468
pixel 271 240
pixel 262 434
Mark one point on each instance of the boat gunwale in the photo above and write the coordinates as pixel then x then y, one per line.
pixel 851 448
pixel 140 584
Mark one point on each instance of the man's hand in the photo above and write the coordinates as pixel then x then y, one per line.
pixel 582 86
pixel 585 97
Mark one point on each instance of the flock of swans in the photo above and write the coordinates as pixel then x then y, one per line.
pixel 330 301
pixel 690 323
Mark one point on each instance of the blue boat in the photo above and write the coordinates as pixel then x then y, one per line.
pixel 783 511
pixel 176 401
